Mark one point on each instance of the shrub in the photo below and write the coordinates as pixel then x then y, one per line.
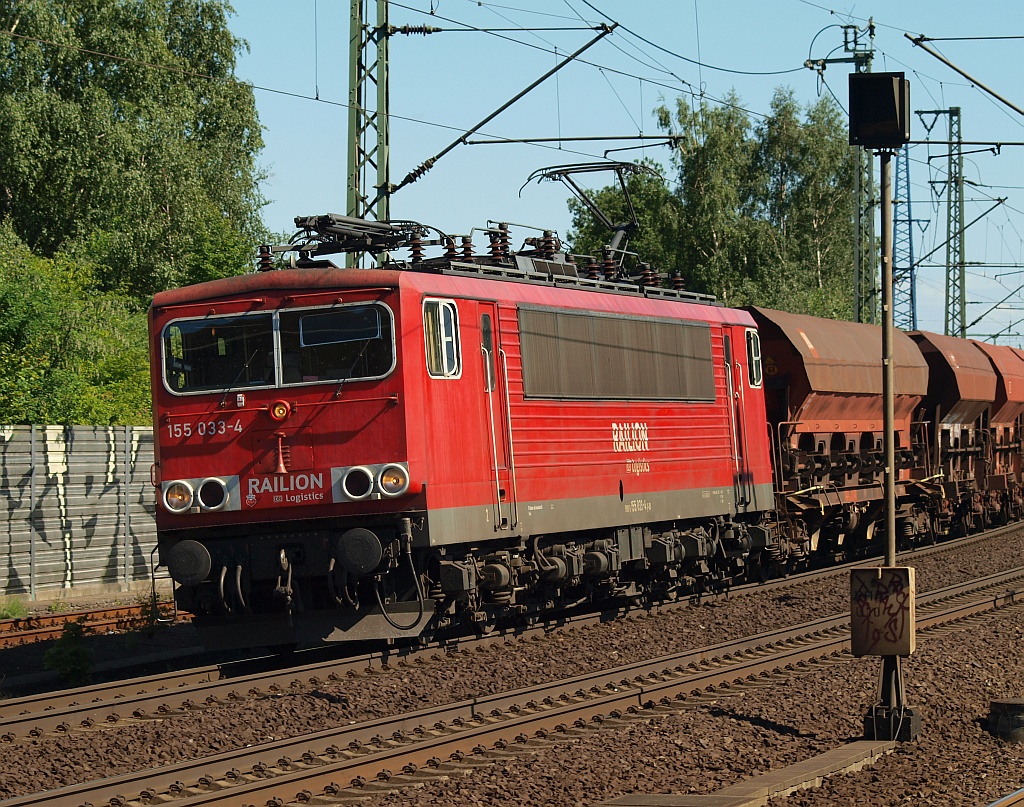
pixel 11 608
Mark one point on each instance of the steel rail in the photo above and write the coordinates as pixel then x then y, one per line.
pixel 409 741
pixel 44 627
pixel 1010 800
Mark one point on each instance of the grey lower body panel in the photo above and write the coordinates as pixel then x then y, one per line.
pixel 473 524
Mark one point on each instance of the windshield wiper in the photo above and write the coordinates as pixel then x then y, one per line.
pixel 241 372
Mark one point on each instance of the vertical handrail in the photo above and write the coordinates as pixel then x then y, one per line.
pixel 508 435
pixel 779 470
pixel 498 519
pixel 33 509
pixel 744 451
pixel 730 394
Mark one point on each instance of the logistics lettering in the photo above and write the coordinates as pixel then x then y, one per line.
pixel 638 467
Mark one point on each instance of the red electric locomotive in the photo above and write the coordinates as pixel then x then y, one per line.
pixel 351 454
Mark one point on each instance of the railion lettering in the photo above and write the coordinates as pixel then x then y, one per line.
pixel 286 484
pixel 629 437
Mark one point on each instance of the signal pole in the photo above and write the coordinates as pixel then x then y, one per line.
pixel 882 599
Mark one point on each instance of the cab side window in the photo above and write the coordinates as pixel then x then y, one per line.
pixel 754 358
pixel 441 330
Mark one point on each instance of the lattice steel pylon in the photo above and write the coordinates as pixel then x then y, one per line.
pixel 904 273
pixel 956 287
pixel 368 130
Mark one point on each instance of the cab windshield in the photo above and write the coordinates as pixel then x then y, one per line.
pixel 306 346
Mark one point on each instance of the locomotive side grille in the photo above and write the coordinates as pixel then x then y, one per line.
pixel 588 356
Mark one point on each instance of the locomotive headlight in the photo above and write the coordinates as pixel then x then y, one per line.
pixel 178 497
pixel 212 494
pixel 393 480
pixel 357 483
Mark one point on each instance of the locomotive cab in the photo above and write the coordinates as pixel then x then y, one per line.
pixel 285 482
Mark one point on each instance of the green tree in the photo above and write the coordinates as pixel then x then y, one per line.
pixel 125 140
pixel 69 352
pixel 718 244
pixel 758 212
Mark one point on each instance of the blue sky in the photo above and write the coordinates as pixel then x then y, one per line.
pixel 443 84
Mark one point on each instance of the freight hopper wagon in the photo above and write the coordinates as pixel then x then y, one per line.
pixel 1001 495
pixel 823 390
pixel 447 443
pixel 961 393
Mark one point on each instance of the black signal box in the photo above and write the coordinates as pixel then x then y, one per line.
pixel 879 110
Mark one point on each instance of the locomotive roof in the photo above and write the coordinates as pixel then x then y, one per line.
pixel 305 280
pixel 517 270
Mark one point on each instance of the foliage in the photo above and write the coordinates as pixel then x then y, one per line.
pixel 69 352
pixel 759 213
pixel 69 657
pixel 155 613
pixel 127 166
pixel 143 160
pixel 12 608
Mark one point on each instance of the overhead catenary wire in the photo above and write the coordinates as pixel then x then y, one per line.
pixel 694 61
pixel 920 40
pixel 427 164
pixel 231 79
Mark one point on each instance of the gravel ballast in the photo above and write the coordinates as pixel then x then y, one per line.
pixel 951 680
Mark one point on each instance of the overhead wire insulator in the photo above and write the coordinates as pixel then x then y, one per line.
pixel 504 240
pixel 416 173
pixel 409 30
pixel 611 271
pixel 495 246
pixel 416 247
pixel 266 261
pixel 547 248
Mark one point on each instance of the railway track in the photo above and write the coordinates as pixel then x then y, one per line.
pixel 426 742
pixel 1014 799
pixel 196 688
pixel 47 627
